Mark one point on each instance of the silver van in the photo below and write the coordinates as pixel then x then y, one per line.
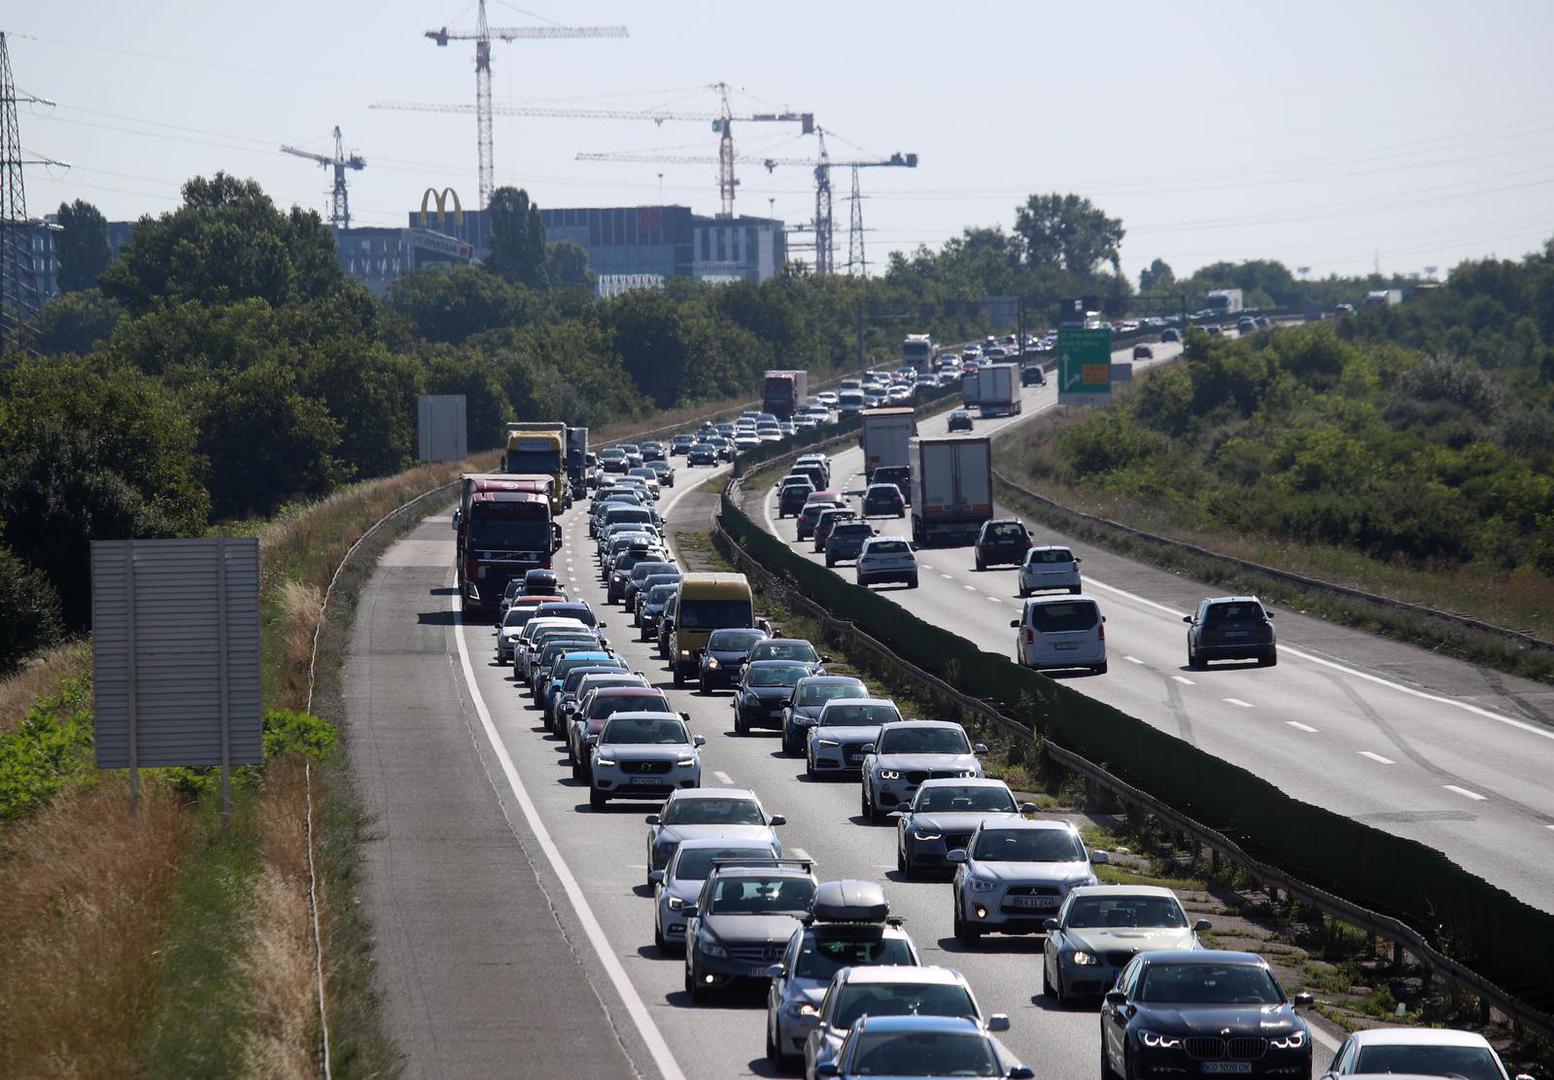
pixel 1061 632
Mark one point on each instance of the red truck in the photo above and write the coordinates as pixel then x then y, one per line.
pixel 504 530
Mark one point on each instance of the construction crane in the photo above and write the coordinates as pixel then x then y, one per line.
pixel 339 203
pixel 482 36
pixel 722 122
pixel 822 165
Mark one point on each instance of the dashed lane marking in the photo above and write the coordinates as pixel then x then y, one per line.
pixel 1133 660
pixel 1238 701
pixel 1184 680
pixel 1298 726
pixel 1376 757
pixel 724 778
pixel 1465 793
pixel 972 588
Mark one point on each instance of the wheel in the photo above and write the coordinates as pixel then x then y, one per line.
pixel 912 582
pixel 740 727
pixel 1193 663
pixel 1268 659
pixel 659 941
pixel 901 863
pixel 702 687
pixel 597 799
pixel 865 811
pixel 1024 592
pixel 965 933
pixel 1107 1072
pixel 980 564
pixel 693 984
pixel 1057 988
pixel 679 676
pixel 809 767
pixel 788 746
pixel 1073 590
pixel 829 560
pixel 771 1044
pixel 1100 669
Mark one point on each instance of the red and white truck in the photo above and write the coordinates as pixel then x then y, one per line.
pixel 504 529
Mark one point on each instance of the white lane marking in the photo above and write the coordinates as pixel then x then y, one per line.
pixel 973 588
pixel 1288 650
pixel 651 1036
pixel 1465 793
pixel 1238 701
pixel 995 599
pixel 1298 726
pixel 1133 660
pixel 947 577
pixel 1184 680
pixel 927 567
pixel 1376 757
pixel 724 778
pixel 799 853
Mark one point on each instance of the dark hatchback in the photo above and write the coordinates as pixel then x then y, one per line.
pixel 1231 628
pixel 960 420
pixel 846 540
pixel 1001 543
pixel 882 500
pixel 900 475
pixel 1203 1012
pixel 791 500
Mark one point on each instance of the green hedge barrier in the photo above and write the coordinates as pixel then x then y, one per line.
pixel 1485 927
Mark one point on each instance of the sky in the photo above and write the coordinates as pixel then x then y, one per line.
pixel 1339 136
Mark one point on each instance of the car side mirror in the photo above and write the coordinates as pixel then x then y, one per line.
pixel 958 855
pixel 1022 1072
pixel 689 911
pixel 1268 613
pixel 1014 624
pixel 868 748
pixel 655 877
pixel 825 660
pixel 651 819
pixel 1049 925
pixel 1201 925
pixel 979 748
pixel 1077 559
pixel 698 741
pixel 998 1022
pixel 1116 998
pixel 1187 618
pixel 683 716
pixel 776 820
pixel 1305 999
pixel 776 971
pixel 1028 808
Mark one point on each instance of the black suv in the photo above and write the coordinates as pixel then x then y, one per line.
pixel 1002 542
pixel 792 498
pixel 1231 628
pixel 846 540
pixel 1033 375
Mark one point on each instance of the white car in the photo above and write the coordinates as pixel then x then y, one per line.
pixel 1013 875
pixel 1425 1051
pixel 1056 632
pixel 842 733
pixel 1049 567
pixel 642 754
pixel 887 558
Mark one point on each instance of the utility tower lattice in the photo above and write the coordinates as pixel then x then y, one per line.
pixel 857 263
pixel 482 38
pixel 18 285
pixel 339 202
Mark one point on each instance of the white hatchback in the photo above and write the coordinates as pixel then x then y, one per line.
pixel 1055 632
pixel 887 558
pixel 1049 567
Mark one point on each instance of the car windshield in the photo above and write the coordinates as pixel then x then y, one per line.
pixel 1467 1062
pixel 776 675
pixel 694 864
pixel 734 640
pixel 588 658
pixel 714 614
pixel 629 514
pixel 646 569
pixel 640 731
pixel 819 693
pixel 924 741
pixel 882 491
pixel 1233 612
pixel 714 810
pixel 1064 616
pixel 762 896
pixel 888 547
pixel 527 533
pixel 605 705
pixel 1028 845
pixel 1209 984
pixel 964 800
pixel 923 1053
pixel 1007 531
pixel 858 715
pixel 659 595
pixel 822 957
pixel 1089 912
pixel 1051 555
pixel 902 999
pixel 785 650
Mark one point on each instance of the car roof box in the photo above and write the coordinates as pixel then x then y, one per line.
pixel 850 901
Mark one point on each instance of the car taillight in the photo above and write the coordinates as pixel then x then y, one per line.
pixel 1100 632
pixel 1030 636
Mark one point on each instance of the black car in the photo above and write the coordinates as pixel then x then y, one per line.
pixel 723 661
pixel 702 454
pixel 900 475
pixel 1173 1013
pixel 1000 542
pixel 1033 375
pixel 1231 628
pixel 883 500
pixel 762 697
pixel 846 540
pixel 792 498
pixel 1143 352
pixel 681 444
pixel 960 420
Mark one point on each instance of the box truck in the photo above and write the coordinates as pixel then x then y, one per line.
pixel 887 435
pixel 998 389
pixel 784 393
pixel 952 489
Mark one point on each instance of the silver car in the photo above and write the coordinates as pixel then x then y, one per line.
pixel 842 733
pixel 942 817
pixel 1101 927
pixel 733 815
pixel 1049 567
pixel 643 754
pixel 909 753
pixel 679 884
pixel 1013 875
pixel 887 558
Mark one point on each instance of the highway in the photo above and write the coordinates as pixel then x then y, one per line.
pixel 1447 753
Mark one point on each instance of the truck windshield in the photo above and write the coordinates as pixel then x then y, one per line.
pixel 520 533
pixel 534 462
pixel 714 614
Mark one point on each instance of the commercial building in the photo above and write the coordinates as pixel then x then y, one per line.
pixel 376 256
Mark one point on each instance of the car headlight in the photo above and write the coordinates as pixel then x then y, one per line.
pixel 968 774
pixel 1293 1041
pixel 712 663
pixel 797 1009
pixel 832 743
pixel 686 762
pixel 600 759
pixel 1082 958
pixel 890 774
pixel 714 950
pixel 981 884
pixel 675 903
pixel 1154 1040
pixel 511 635
pixel 926 834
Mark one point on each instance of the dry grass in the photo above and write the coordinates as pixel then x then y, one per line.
pixel 42 677
pixel 85 888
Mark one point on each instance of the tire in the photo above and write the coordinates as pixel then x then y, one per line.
pixel 1107 1072
pixel 693 984
pixel 829 560
pixel 966 934
pixel 597 800
pixel 901 863
pixel 865 810
pixel 809 767
pixel 788 746
pixel 981 566
pixel 1100 669
pixel 912 582
pixel 1073 590
pixel 772 1053
pixel 740 727
pixel 1193 663
pixel 1024 592
pixel 679 676
pixel 659 941
pixel 1057 992
pixel 1269 658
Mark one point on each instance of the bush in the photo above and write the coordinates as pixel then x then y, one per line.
pixel 33 618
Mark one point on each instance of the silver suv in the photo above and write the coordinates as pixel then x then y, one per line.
pixel 1014 874
pixel 907 754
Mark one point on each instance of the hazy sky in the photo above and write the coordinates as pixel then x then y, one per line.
pixel 1325 134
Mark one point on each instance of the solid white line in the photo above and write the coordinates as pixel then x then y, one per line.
pixel 1465 793
pixel 1288 650
pixel 651 1036
pixel 724 778
pixel 1376 757
pixel 1133 660
pixel 1184 680
pixel 1238 701
pixel 1298 726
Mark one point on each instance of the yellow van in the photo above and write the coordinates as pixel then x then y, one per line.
pixel 707 602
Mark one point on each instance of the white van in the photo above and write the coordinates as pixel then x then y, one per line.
pixel 1061 632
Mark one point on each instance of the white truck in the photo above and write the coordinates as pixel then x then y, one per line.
pixel 887 436
pixel 1224 302
pixel 952 489
pixel 917 351
pixel 998 389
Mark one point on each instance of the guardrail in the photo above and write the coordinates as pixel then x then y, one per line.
pixel 1386 884
pixel 1463 622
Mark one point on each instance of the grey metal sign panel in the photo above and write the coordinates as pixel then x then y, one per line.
pixel 175 652
pixel 1122 372
pixel 441 427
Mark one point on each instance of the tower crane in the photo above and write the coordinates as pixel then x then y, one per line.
pixel 722 122
pixel 339 203
pixel 482 36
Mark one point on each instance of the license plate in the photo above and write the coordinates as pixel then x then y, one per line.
pixel 1033 901
pixel 1234 633
pixel 758 971
pixel 647 780
pixel 1063 645
pixel 1227 1066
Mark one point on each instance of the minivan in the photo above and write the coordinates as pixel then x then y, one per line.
pixel 1061 632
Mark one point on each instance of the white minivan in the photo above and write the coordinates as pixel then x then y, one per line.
pixel 1056 632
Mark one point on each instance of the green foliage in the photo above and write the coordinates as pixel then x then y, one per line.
pixel 452 304
pixel 51 746
pixel 287 732
pixel 566 265
pixel 1068 231
pixel 75 322
pixel 33 618
pixel 82 244
pixel 517 238
pixel 1157 275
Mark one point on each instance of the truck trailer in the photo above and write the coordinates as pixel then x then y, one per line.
pixel 917 351
pixel 998 389
pixel 886 438
pixel 503 529
pixel 784 393
pixel 577 460
pixel 539 449
pixel 952 489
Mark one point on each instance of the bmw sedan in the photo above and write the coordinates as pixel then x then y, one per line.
pixel 909 753
pixel 942 817
pixel 842 734
pixel 1100 928
pixel 809 696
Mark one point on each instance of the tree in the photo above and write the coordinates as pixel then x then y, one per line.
pixel 449 304
pixel 1068 232
pixel 517 238
pixel 1157 275
pixel 566 265
pixel 33 617
pixel 82 244
pixel 76 322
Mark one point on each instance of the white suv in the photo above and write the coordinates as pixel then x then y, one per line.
pixel 1049 567
pixel 1055 632
pixel 887 558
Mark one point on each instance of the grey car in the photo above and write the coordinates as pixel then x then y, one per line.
pixel 809 696
pixel 761 699
pixel 909 753
pixel 677 886
pixel 942 817
pixel 742 921
pixel 733 815
pixel 1012 876
pixel 654 601
pixel 842 733
pixel 723 662
pixel 1101 927
pixel 846 541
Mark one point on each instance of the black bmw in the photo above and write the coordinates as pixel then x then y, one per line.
pixel 1202 1013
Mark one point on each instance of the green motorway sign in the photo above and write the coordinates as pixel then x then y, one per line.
pixel 1084 367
